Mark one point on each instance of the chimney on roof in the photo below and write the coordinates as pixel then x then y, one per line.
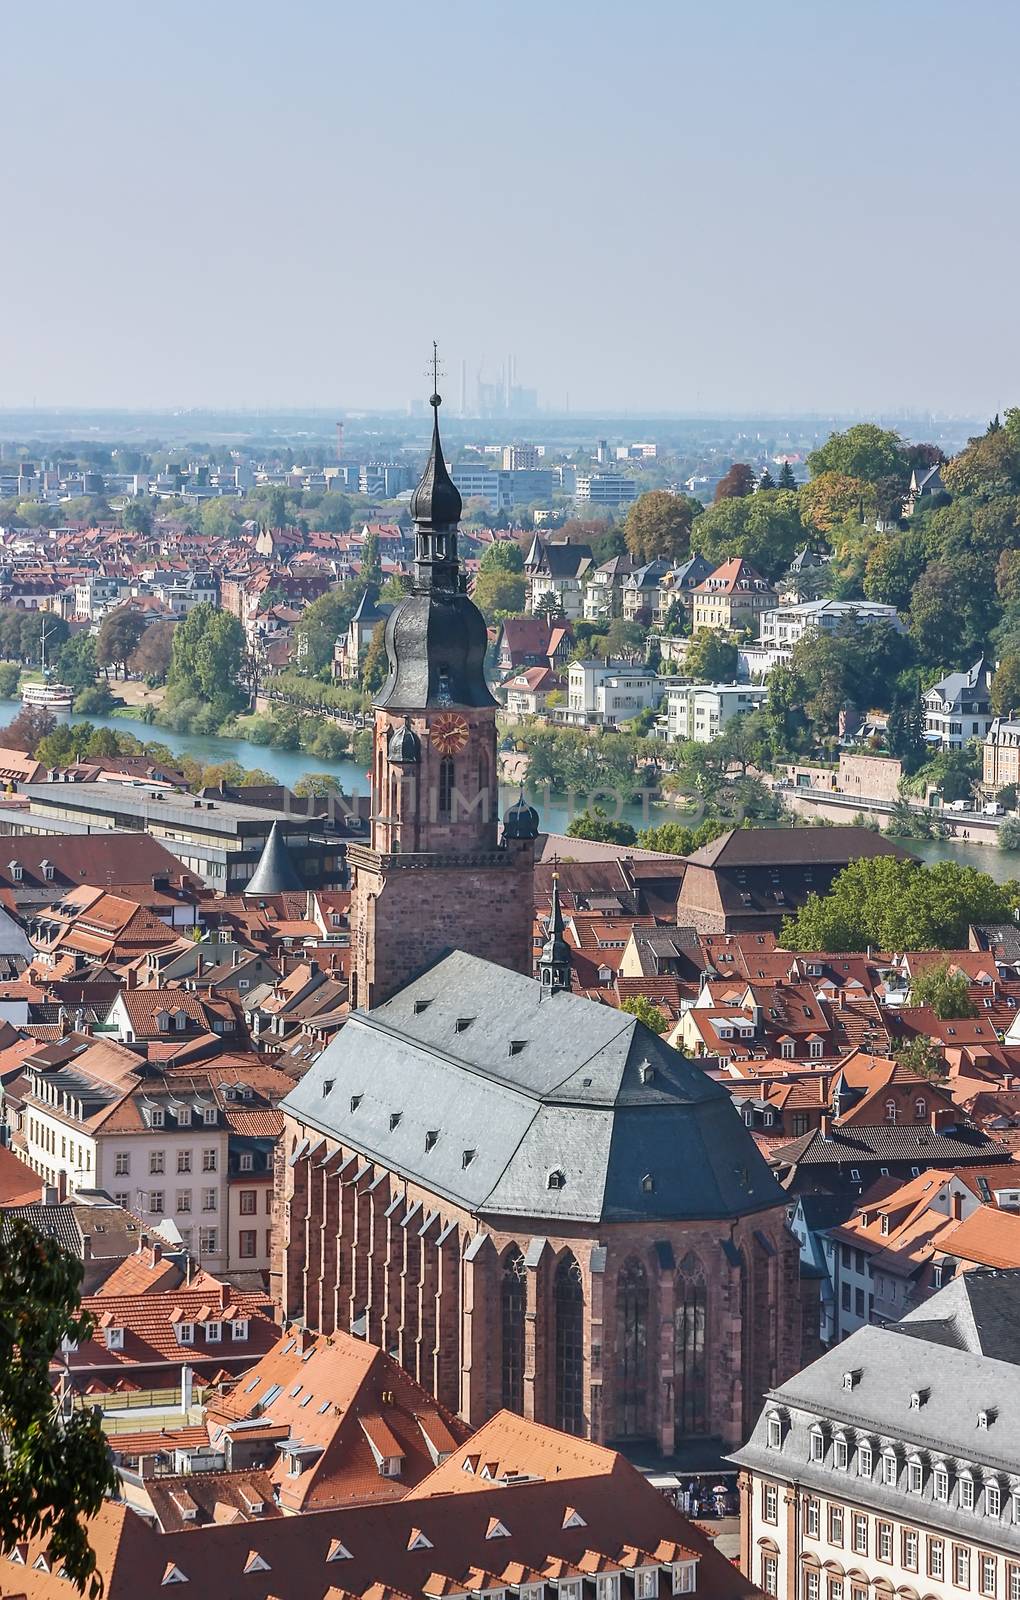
pixel 49 1194
pixel 143 1243
pixel 956 1206
pixel 86 1247
pixel 199 964
pixel 131 979
pixel 824 1126
pixel 823 1089
pixel 61 1186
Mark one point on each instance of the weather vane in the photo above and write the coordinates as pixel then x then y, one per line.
pixel 435 367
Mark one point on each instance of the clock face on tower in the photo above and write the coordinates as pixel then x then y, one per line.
pixel 450 733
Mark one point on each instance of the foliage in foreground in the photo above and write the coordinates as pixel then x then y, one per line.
pixel 56 1471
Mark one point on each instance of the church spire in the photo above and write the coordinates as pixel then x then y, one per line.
pixel 554 962
pixel 436 507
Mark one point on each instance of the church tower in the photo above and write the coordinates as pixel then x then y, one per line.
pixel 439 873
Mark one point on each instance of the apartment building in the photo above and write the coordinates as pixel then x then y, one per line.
pixel 787 624
pixel 1001 753
pixel 733 596
pixel 959 707
pixel 604 489
pixel 161 1143
pixel 609 691
pixel 700 711
pixel 891 1466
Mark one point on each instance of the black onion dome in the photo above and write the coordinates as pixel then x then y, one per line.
pixel 436 502
pixel 404 746
pixel 521 821
pixel 436 645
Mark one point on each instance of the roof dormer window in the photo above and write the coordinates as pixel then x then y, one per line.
pixel 556 1179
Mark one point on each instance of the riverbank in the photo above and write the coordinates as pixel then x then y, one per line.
pixel 289 766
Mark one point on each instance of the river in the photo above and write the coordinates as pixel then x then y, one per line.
pixel 287 766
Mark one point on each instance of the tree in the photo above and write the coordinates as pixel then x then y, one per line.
pixel 766 481
pixel 370 567
pixel 151 659
pixel 946 992
pixel 594 824
pixel 317 786
pixel 504 555
pixel 1007 577
pixel 659 524
pixel 119 633
pixel 76 663
pixel 674 839
pixel 28 729
pixel 891 904
pixel 10 674
pixel 499 593
pixel 332 514
pixel 786 477
pixel 1006 686
pixel 1008 837
pixel 207 660
pixel 376 665
pixel 625 638
pixel 137 515
pixel 922 1055
pixel 831 498
pixel 950 615
pixel 56 1469
pixel 765 528
pixel 893 566
pixel 320 625
pixel 735 483
pixel 864 451
pixel 990 465
pixel 550 606
pixel 646 1011
pixel 711 657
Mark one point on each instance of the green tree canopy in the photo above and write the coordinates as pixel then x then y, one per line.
pixel 950 614
pixel 945 991
pixel 659 524
pixel 207 660
pixel 500 593
pixel 56 1469
pixel 711 657
pixel 1006 686
pixel 119 634
pixel 321 623
pixel 375 666
pixel 765 528
pixel 864 451
pixel 890 905
pixel 594 824
pixel 76 663
pixel 504 555
pixel 646 1011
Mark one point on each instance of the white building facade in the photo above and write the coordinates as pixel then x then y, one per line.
pixel 700 711
pixel 891 1466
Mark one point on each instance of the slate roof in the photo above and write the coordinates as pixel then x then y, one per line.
pixel 979 1311
pixel 764 848
pixel 955 1383
pixel 856 1146
pixel 275 873
pixel 473 1085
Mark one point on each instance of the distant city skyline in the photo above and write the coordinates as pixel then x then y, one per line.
pixel 668 209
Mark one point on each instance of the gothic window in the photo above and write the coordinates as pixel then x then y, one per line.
pixel 632 1350
pixel 446 779
pixel 568 1299
pixel 691 1375
pixel 513 1295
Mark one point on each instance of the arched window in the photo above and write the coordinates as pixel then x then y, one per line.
pixel 513 1295
pixel 446 781
pixel 689 1319
pixel 890 1111
pixel 568 1299
pixel 632 1350
pixel 920 1109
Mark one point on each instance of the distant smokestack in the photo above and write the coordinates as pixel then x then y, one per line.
pixel 463 388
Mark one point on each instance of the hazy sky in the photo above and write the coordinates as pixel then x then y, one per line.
pixel 663 204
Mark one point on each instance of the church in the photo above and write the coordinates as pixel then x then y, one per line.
pixel 528 1197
